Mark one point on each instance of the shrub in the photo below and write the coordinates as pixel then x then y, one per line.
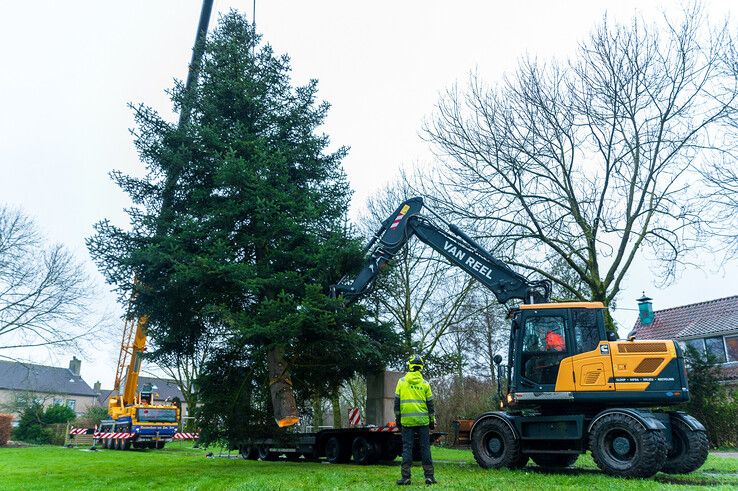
pixel 461 398
pixel 711 402
pixel 5 428
pixel 36 424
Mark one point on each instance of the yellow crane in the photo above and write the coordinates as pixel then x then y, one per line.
pixel 135 420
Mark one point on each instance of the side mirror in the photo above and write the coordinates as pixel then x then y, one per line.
pixel 612 336
pixel 497 359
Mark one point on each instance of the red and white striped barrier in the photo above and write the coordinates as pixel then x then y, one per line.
pixel 384 429
pixel 114 435
pixel 78 431
pixel 186 436
pixel 354 416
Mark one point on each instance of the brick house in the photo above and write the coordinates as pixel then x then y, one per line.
pixel 45 384
pixel 710 326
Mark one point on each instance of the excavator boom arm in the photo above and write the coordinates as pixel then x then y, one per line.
pixel 460 249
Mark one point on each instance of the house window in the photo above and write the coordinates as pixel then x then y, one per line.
pixel 732 344
pixel 71 404
pixel 697 344
pixel 58 402
pixel 716 348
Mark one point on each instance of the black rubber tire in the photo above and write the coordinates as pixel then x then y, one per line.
pixel 520 463
pixel 249 452
pixel 622 447
pixel 495 446
pixel 292 456
pixel 265 454
pixel 337 451
pixel 109 443
pixel 159 445
pixel 554 461
pixel 127 444
pixel 364 451
pixel 688 451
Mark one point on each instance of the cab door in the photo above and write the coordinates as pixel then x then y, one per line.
pixel 544 342
pixel 591 364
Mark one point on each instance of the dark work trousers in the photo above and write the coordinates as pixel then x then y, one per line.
pixel 408 437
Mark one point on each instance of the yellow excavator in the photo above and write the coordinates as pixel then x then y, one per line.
pixel 572 386
pixel 135 420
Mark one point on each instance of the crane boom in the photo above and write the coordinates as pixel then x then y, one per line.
pixel 129 360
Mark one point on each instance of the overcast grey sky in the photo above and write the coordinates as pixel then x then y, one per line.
pixel 69 68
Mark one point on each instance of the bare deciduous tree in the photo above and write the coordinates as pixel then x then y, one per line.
pixel 45 294
pixel 722 192
pixel 184 367
pixel 589 162
pixel 421 293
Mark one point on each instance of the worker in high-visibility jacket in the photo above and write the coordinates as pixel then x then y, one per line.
pixel 415 415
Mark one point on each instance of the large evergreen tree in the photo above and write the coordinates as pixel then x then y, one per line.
pixel 239 226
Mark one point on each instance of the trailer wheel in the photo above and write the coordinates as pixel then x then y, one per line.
pixel 109 442
pixel 159 445
pixel 494 445
pixel 364 451
pixel 554 461
pixel 265 454
pixel 688 451
pixel 337 451
pixel 118 442
pixel 126 444
pixel 622 447
pixel 249 452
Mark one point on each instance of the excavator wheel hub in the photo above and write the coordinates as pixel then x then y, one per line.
pixel 495 445
pixel 621 446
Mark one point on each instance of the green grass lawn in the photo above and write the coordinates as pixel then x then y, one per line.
pixel 186 468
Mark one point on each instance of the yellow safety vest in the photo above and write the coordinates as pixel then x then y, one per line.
pixel 414 392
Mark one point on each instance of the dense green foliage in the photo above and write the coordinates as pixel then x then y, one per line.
pixel 711 402
pixel 36 423
pixel 178 467
pixel 238 228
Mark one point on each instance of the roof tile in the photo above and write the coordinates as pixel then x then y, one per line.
pixel 20 376
pixel 695 320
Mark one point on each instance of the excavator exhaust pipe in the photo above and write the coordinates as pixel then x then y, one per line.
pixel 280 387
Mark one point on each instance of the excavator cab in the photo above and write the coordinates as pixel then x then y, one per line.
pixel 543 336
pixel 561 353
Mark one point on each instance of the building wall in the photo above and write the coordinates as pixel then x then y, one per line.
pixel 79 403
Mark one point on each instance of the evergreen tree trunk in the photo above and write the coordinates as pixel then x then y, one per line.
pixel 317 413
pixel 336 406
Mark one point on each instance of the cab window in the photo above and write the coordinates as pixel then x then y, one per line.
pixel 544 345
pixel 545 333
pixel 586 330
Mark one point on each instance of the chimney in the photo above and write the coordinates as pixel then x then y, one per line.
pixel 645 310
pixel 96 387
pixel 75 365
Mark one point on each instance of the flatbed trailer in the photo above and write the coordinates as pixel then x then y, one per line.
pixel 364 445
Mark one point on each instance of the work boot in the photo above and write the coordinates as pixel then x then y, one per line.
pixel 431 480
pixel 405 481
